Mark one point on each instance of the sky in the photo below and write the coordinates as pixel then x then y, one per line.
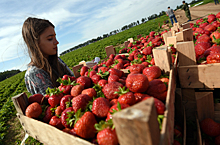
pixel 76 21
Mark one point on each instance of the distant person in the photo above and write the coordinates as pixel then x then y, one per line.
pixel 187 11
pixel 216 2
pixel 171 14
pixel 45 66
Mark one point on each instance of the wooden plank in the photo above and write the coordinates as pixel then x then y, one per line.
pixel 137 124
pixel 186 53
pixel 204 99
pixel 199 134
pixel 181 29
pixel 110 50
pixel 171 40
pixel 189 103
pixel 48 134
pixel 75 70
pixel 20 102
pixel 217 112
pixel 186 25
pixel 199 76
pixel 177 25
pixel 165 35
pixel 174 28
pixel 126 43
pixel 162 58
pixel 168 121
pixel 185 35
pixel 184 126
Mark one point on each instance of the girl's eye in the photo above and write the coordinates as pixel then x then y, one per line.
pixel 50 39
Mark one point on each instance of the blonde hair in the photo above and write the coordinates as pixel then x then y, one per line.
pixel 31 31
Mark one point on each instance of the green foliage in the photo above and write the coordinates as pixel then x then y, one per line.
pixel 7 74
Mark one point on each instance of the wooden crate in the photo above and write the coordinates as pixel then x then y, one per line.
pixel 41 131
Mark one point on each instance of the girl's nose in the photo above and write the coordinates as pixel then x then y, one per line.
pixel 56 42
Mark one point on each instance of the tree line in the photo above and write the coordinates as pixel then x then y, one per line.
pixel 6 74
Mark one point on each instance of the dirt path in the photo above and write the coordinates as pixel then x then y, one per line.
pixel 197 12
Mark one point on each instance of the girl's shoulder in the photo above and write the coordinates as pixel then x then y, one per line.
pixel 31 69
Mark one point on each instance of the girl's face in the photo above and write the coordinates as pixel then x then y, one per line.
pixel 48 42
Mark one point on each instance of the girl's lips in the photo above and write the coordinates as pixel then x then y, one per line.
pixel 55 48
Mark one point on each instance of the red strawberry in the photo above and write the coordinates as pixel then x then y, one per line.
pixel 100 107
pixel 33 110
pixel 58 111
pixel 76 90
pixel 119 66
pixel 110 89
pixel 201 47
pixel 210 127
pixel 95 67
pixel 95 78
pixel 114 71
pixel 157 89
pixel 212 50
pixel 91 73
pixel 65 102
pixel 152 34
pixel 113 102
pixel 35 98
pixel 84 127
pixel 56 122
pixel 83 70
pixel 146 64
pixel 107 137
pixel 175 142
pixel 203 25
pixel 137 83
pixel 113 78
pixel 152 61
pixel 210 28
pixel 84 81
pixel 102 82
pixel 112 56
pixel 67 117
pixel 90 92
pixel 147 50
pixel 109 62
pixel 211 18
pixel 203 38
pixel 137 67
pixel 152 72
pixel 216 24
pixel 127 98
pixel 213 58
pixel 115 108
pixel 158 104
pixel 48 114
pixel 80 102
pixel 66 77
pixel 215 36
pixel 54 99
pixel 103 69
pixel 117 57
pixel 139 97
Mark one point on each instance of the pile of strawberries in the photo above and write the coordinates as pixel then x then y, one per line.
pixel 206 33
pixel 84 106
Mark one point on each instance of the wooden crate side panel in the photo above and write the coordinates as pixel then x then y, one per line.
pixel 171 40
pixel 75 70
pixel 199 134
pixel 199 76
pixel 186 52
pixel 162 58
pixel 217 112
pixel 110 50
pixel 48 134
pixel 204 99
pixel 137 124
pixel 20 102
pixel 126 43
pixel 168 122
pixel 165 35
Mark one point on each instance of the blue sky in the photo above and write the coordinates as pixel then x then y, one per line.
pixel 76 21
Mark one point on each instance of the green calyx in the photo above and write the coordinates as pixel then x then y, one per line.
pixel 54 91
pixel 103 125
pixel 122 91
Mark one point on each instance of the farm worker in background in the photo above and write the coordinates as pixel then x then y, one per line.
pixel 186 9
pixel 45 66
pixel 216 2
pixel 170 13
pixel 97 59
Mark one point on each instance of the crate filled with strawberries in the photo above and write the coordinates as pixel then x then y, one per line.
pixel 87 109
pixel 197 67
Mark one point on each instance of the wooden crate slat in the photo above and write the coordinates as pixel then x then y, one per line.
pixel 75 70
pixel 205 105
pixel 186 25
pixel 165 35
pixel 137 124
pixel 186 53
pixel 126 43
pixel 48 134
pixel 162 58
pixel 171 40
pixel 110 50
pixel 199 76
pixel 20 102
pixel 184 35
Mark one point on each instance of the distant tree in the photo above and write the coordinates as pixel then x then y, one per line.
pixel 7 74
pixel 137 22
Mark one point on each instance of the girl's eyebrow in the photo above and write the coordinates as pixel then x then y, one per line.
pixel 51 35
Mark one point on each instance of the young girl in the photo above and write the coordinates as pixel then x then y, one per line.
pixel 45 66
